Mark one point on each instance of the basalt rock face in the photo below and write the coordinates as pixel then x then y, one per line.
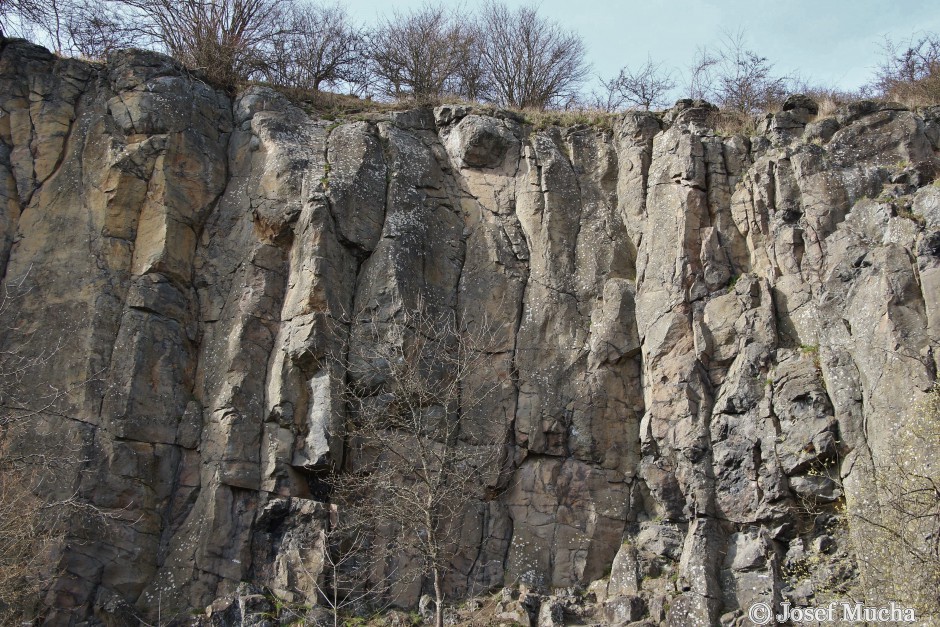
pixel 689 326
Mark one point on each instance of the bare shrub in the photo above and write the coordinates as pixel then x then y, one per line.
pixel 18 16
pixel 320 46
pixel 44 22
pixel 29 10
pixel 347 585
pixel 229 40
pixel 28 528
pixel 32 528
pixel 24 545
pixel 604 98
pixel 74 27
pixel 95 30
pixel 736 77
pixel 899 532
pixel 910 71
pixel 473 79
pixel 645 87
pixel 701 73
pixel 421 452
pixel 420 53
pixel 533 62
pixel 38 501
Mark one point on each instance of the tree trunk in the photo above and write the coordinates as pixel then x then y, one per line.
pixel 439 599
pixel 335 595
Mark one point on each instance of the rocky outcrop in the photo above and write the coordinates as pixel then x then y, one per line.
pixel 698 335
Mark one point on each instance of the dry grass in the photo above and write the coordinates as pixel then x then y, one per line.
pixel 333 106
pixel 726 122
pixel 329 105
pixel 924 93
pixel 541 120
pixel 731 122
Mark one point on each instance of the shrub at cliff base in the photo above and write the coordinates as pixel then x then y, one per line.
pixel 900 540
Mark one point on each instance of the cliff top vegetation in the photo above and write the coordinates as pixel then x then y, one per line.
pixel 513 58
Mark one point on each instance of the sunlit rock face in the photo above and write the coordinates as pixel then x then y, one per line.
pixel 688 326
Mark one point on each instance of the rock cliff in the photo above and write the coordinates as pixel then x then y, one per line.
pixel 698 335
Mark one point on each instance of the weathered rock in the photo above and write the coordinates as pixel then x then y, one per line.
pixel 750 572
pixel 821 131
pixel 624 573
pixel 623 610
pixel 551 614
pixel 518 606
pixel 480 142
pixel 800 101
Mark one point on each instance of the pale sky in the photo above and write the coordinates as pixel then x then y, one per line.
pixel 832 42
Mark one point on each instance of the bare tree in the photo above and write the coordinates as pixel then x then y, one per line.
pixel 33 19
pixel 533 62
pixel 321 46
pixel 701 81
pixel 646 87
pixel 473 79
pixel 95 30
pixel 604 97
pixel 910 72
pixel 347 584
pixel 229 40
pixel 74 27
pixel 735 77
pixel 420 53
pixel 28 10
pixel 745 80
pixel 417 458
